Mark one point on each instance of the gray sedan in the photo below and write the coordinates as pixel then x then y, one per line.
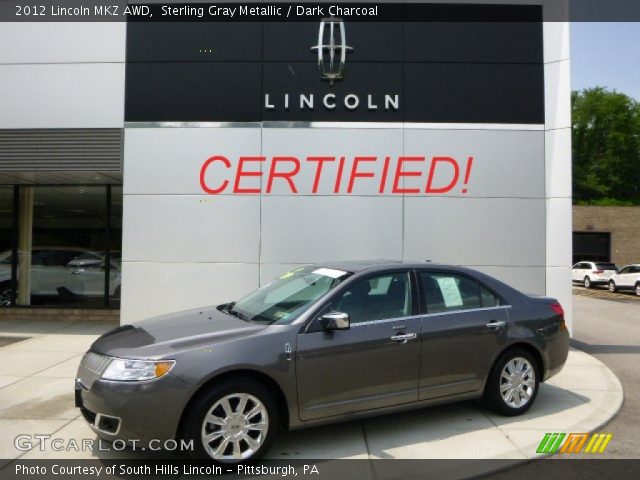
pixel 321 344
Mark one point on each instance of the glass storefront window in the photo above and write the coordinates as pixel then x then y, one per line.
pixel 115 240
pixel 6 243
pixel 68 243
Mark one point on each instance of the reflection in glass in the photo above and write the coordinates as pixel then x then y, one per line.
pixel 6 241
pixel 115 240
pixel 67 246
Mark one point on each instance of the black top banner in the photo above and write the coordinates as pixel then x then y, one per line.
pixel 303 11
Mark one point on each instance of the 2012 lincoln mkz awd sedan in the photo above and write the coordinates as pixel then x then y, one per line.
pixel 321 344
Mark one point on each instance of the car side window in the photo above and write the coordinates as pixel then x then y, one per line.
pixel 624 270
pixel 42 258
pixel 488 298
pixel 376 298
pixel 443 292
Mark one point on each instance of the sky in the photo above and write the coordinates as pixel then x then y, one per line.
pixel 606 54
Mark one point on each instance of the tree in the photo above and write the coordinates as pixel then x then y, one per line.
pixel 606 147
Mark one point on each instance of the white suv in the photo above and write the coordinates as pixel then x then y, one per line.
pixel 593 273
pixel 628 278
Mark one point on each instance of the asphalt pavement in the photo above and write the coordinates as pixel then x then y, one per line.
pixel 608 327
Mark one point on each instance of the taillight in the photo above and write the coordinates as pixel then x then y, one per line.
pixel 598 271
pixel 557 308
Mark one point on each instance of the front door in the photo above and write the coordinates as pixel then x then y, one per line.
pixel 626 277
pixel 373 364
pixel 463 328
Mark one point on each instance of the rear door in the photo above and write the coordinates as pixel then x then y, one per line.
pixel 373 364
pixel 464 326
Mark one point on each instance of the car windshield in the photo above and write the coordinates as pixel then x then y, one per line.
pixel 283 299
pixel 606 266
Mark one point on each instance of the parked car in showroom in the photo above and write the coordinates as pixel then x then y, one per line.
pixel 628 278
pixel 593 273
pixel 62 270
pixel 321 344
pixel 85 276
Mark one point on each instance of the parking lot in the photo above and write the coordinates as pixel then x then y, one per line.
pixel 603 293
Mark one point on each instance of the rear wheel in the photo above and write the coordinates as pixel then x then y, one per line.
pixel 612 286
pixel 587 282
pixel 513 383
pixel 5 294
pixel 234 422
pixel 638 289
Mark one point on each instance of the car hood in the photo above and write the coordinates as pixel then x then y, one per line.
pixel 169 334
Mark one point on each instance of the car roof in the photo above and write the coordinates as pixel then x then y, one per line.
pixel 356 266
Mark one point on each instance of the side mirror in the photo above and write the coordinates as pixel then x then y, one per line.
pixel 335 321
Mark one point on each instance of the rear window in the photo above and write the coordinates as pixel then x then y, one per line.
pixel 606 266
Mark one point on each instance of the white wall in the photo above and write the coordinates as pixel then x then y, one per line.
pixel 558 164
pixel 183 248
pixel 62 75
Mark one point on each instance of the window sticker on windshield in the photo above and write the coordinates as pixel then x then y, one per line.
pixel 450 291
pixel 329 272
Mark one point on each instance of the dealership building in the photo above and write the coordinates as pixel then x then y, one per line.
pixel 153 167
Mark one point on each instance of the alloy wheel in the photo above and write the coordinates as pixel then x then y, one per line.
pixel 235 427
pixel 587 282
pixel 517 382
pixel 5 297
pixel 612 287
pixel 638 289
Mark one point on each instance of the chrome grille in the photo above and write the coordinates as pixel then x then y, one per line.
pixel 91 368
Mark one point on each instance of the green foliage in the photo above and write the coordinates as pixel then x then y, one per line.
pixel 606 147
pixel 605 202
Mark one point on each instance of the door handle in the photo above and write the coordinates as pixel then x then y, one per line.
pixel 76 272
pixel 404 338
pixel 494 324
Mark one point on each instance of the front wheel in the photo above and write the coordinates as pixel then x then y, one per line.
pixel 234 422
pixel 638 289
pixel 612 287
pixel 587 282
pixel 513 383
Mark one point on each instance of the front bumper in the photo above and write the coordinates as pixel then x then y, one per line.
pixel 134 411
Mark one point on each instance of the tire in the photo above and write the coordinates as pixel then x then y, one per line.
pixel 512 405
pixel 586 282
pixel 5 294
pixel 242 444
pixel 638 289
pixel 612 286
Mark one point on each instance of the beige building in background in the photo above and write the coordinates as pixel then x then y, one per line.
pixel 612 232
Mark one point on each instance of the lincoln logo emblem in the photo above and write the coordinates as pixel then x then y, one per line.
pixel 332 54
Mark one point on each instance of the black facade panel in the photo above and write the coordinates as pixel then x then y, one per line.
pixel 362 80
pixel 456 71
pixel 482 42
pixel 371 41
pixel 212 91
pixel 474 93
pixel 194 42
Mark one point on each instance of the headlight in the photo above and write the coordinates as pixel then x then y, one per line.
pixel 135 370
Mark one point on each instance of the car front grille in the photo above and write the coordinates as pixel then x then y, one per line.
pixel 91 368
